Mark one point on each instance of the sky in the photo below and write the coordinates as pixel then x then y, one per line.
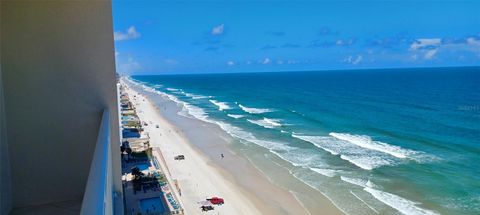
pixel 223 36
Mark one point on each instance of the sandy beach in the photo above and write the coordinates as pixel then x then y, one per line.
pixel 245 189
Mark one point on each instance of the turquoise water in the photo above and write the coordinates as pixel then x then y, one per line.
pixel 152 205
pixel 406 139
pixel 143 166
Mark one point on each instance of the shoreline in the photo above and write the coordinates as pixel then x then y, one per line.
pixel 249 204
pixel 207 142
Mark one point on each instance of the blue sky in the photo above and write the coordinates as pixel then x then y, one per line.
pixel 164 37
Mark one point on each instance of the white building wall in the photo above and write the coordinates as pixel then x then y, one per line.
pixel 58 75
pixel 5 195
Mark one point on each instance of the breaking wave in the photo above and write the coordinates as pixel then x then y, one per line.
pixel 403 205
pixel 325 172
pixel 367 142
pixel 221 105
pixel 361 157
pixel 235 116
pixel 255 110
pixel 266 122
pixel 195 96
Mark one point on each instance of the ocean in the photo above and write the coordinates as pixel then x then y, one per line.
pixel 386 141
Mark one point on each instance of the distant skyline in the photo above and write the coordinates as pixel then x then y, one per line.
pixel 169 37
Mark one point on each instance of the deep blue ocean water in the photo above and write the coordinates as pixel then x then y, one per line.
pixel 407 139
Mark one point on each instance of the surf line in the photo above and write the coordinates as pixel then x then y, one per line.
pixel 373 209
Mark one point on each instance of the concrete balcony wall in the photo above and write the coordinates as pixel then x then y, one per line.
pixel 5 195
pixel 58 69
pixel 98 198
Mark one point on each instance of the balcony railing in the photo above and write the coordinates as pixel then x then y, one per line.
pixel 98 198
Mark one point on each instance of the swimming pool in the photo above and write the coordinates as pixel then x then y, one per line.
pixel 143 166
pixel 152 205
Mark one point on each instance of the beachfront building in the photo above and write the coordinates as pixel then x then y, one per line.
pixel 146 185
pixel 59 133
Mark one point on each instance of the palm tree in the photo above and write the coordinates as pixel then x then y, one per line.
pixel 136 172
pixel 129 152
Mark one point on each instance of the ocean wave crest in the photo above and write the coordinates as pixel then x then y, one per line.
pixel 249 137
pixel 367 142
pixel 235 116
pixel 403 205
pixel 194 111
pixel 195 96
pixel 172 89
pixel 325 172
pixel 221 105
pixel 357 181
pixel 255 110
pixel 361 157
pixel 187 108
pixel 295 156
pixel 266 122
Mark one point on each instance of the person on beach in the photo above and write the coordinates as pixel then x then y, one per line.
pixel 222 155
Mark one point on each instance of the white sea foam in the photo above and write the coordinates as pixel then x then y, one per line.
pixel 367 142
pixel 148 89
pixel 235 116
pixel 170 97
pixel 196 112
pixel 187 109
pixel 292 155
pixel 295 156
pixel 302 158
pixel 403 205
pixel 199 113
pixel 373 209
pixel 255 110
pixel 325 172
pixel 221 105
pixel 195 96
pixel 266 122
pixel 368 161
pixel 249 137
pixel 364 158
pixel 172 89
pixel 357 181
pixel 313 186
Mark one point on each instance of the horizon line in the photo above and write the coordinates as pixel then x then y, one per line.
pixel 287 71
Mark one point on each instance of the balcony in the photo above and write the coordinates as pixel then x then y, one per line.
pixel 99 197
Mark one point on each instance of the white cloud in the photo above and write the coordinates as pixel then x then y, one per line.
pixel 249 62
pixel 426 47
pixel 130 33
pixel 230 63
pixel 473 42
pixel 280 62
pixel 430 54
pixel 266 61
pixel 358 60
pixel 430 48
pixel 423 43
pixel 353 60
pixel 217 30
